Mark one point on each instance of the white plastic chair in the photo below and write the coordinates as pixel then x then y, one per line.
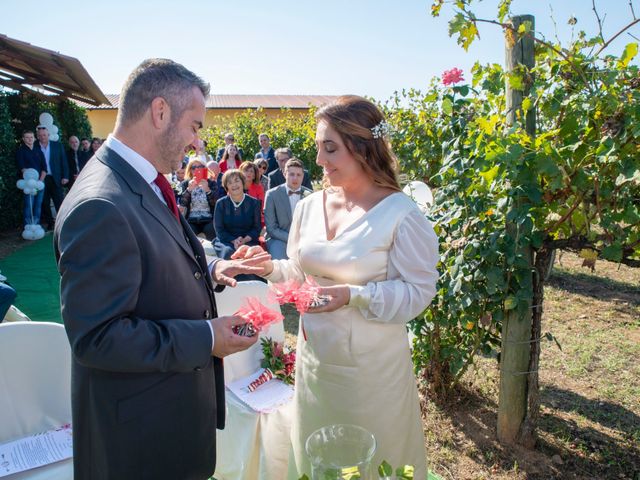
pixel 35 387
pixel 245 363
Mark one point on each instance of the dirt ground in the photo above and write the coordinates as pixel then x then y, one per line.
pixel 590 390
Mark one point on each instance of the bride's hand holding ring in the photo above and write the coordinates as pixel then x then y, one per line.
pixel 246 252
pixel 338 295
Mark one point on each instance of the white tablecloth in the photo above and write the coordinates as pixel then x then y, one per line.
pixel 253 446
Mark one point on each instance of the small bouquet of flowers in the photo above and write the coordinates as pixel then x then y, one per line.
pixel 278 362
pixel 257 316
pixel 303 296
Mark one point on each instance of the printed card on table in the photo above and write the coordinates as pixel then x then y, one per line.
pixel 266 398
pixel 36 451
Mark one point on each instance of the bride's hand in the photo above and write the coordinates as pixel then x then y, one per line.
pixel 245 252
pixel 339 296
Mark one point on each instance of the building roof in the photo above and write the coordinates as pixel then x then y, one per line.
pixel 45 73
pixel 240 101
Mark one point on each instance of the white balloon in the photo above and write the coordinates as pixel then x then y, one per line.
pixel 31 183
pixel 30 173
pixel 420 193
pixel 46 119
pixel 39 185
pixel 38 233
pixel 28 235
pixel 54 138
pixel 29 226
pixel 53 130
pixel 21 184
pixel 28 191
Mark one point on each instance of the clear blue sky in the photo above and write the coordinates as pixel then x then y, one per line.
pixel 367 47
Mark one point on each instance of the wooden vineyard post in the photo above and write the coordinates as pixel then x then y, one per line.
pixel 516 327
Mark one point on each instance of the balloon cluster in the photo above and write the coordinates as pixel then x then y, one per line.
pixel 31 185
pixel 33 232
pixel 46 120
pixel 420 193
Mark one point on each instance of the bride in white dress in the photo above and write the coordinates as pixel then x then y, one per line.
pixel 375 254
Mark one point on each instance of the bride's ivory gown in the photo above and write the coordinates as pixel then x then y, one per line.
pixel 355 364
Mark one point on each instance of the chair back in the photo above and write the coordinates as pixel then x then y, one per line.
pixel 35 387
pixel 245 363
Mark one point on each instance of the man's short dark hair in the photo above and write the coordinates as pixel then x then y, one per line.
pixel 84 139
pixel 158 77
pixel 293 162
pixel 24 132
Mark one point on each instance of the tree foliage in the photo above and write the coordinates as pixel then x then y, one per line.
pixel 575 185
pixel 289 129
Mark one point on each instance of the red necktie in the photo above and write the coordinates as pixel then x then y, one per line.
pixel 167 194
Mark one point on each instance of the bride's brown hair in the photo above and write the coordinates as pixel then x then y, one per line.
pixel 353 118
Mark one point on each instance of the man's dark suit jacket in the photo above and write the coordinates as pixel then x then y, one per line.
pixel 147 395
pixel 82 161
pixel 276 178
pixel 57 162
pixel 84 158
pixel 73 169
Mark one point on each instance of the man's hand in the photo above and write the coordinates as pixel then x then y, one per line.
pixel 225 342
pixel 225 270
pixel 64 181
pixel 246 252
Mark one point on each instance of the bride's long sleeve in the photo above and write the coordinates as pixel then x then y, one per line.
pixel 284 270
pixel 412 275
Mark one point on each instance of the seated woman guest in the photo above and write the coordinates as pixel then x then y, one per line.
pixel 252 181
pixel 230 158
pixel 252 185
pixel 262 165
pixel 198 198
pixel 236 216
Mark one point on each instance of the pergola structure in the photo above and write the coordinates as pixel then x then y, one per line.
pixel 45 73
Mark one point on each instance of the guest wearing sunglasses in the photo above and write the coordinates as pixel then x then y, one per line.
pixel 262 165
pixel 198 199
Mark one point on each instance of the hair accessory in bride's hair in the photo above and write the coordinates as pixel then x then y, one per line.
pixel 380 130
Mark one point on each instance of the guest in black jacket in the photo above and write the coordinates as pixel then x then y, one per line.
pixel 29 157
pixel 276 178
pixel 75 158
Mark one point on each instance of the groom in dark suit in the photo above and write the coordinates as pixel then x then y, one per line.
pixel 137 295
